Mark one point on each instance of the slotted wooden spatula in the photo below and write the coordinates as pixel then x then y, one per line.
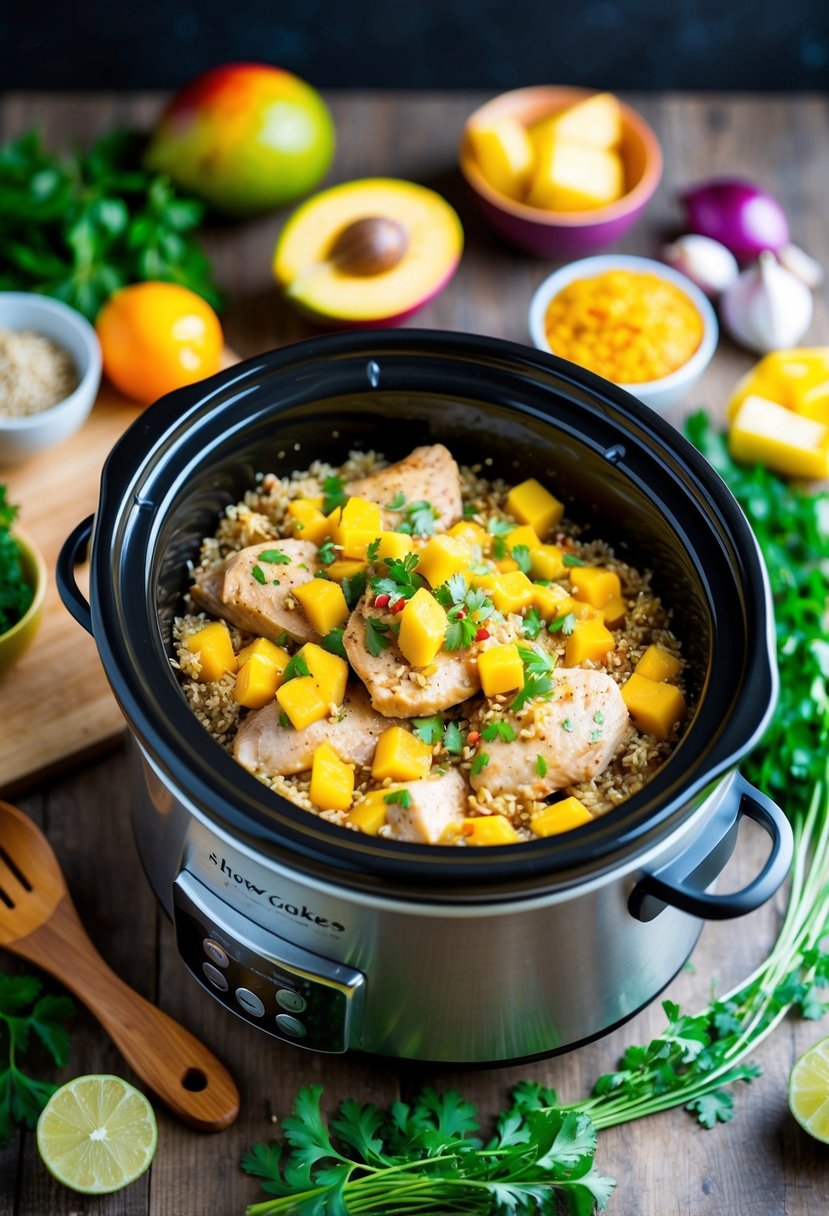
pixel 38 921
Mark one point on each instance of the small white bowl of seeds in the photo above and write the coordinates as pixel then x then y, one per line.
pixel 50 372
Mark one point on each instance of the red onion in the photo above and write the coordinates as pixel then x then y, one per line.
pixel 738 214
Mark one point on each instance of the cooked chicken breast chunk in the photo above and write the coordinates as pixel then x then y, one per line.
pixel 437 803
pixel 428 474
pixel 234 592
pixel 576 733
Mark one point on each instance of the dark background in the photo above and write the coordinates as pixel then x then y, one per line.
pixel 494 44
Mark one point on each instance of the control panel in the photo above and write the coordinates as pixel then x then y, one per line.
pixel 284 990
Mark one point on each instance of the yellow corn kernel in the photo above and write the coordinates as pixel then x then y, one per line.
pixel 215 650
pixel 369 814
pixel 560 817
pixel 594 584
pixel 552 602
pixel 347 567
pixel 765 433
pixel 489 829
pixel 500 669
pixel 360 522
pixel 614 612
pixel 269 651
pixel 525 535
pixel 256 682
pixel 589 640
pixel 658 664
pixel 307 521
pixel 394 546
pixel 546 561
pixel 655 708
pixel 329 672
pixel 401 755
pixel 443 557
pixel 323 603
pixel 422 628
pixel 512 592
pixel 471 534
pixel 302 701
pixel 531 504
pixel 332 780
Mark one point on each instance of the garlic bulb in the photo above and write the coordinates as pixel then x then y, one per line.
pixel 802 264
pixel 767 307
pixel 704 261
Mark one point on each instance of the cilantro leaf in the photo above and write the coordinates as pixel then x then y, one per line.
pixel 400 797
pixel 421 518
pixel 397 502
pixel 275 557
pixel 400 581
pixel 335 496
pixel 375 641
pixel 566 624
pixel 534 686
pixel 536 662
pixel 372 549
pixel 429 730
pixel 296 666
pixel 327 553
pixel 570 559
pixel 521 554
pixel 259 574
pixel 541 765
pixel 333 642
pixel 479 763
pixel 498 730
pixel 459 633
pixel 453 739
pixel 532 624
pixel 24 1011
pixel 354 588
pixel 453 591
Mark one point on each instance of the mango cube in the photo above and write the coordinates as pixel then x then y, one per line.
pixel 658 664
pixel 215 650
pixel 265 650
pixel 443 557
pixel 614 612
pixel 256 682
pixel 655 708
pixel 500 669
pixel 422 628
pixel 329 671
pixel 512 592
pixel 575 177
pixel 401 755
pixel 523 535
pixel 302 701
pixel 369 814
pixel 486 830
pixel 307 521
pixel 583 611
pixel 552 602
pixel 596 121
pixel 504 154
pixel 505 565
pixel 347 567
pixel 560 817
pixel 763 432
pixel 797 379
pixel 323 603
pixel 394 546
pixel 594 584
pixel 547 562
pixel 360 522
pixel 530 503
pixel 471 534
pixel 332 780
pixel 590 639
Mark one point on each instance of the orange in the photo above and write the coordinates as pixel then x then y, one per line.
pixel 156 337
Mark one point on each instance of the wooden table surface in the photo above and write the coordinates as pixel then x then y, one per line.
pixel 760 1164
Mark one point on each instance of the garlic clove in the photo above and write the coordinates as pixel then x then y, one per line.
pixel 802 264
pixel 767 307
pixel 704 261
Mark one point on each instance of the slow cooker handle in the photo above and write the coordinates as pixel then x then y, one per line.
pixel 74 552
pixel 682 881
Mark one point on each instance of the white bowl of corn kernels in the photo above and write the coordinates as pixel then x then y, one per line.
pixel 633 320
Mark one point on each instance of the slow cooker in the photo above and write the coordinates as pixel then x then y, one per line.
pixel 338 941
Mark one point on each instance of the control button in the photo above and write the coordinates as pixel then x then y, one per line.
pixel 289 1025
pixel 250 1002
pixel 215 953
pixel 286 998
pixel 214 977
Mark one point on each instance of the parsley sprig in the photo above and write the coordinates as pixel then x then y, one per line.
pixel 23 1013
pixel 434 730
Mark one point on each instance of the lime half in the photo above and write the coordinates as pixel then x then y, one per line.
pixel 809 1091
pixel 96 1134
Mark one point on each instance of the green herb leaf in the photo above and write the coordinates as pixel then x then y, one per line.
pixel 296 666
pixel 259 574
pixel 333 489
pixel 479 763
pixel 567 725
pixel 275 557
pixel 24 1012
pixel 521 554
pixel 397 502
pixel 372 549
pixel 400 797
pixel 333 642
pixel 16 593
pixel 400 580
pixel 536 662
pixel 532 624
pixel 570 559
pixel 541 765
pixel 327 553
pixel 421 518
pixel 429 730
pixel 498 730
pixel 454 739
pixel 354 588
pixel 285 721
pixel 375 640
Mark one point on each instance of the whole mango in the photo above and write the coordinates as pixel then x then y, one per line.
pixel 245 137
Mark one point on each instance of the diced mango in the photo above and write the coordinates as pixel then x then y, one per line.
pixel 658 664
pixel 265 650
pixel 332 780
pixel 504 154
pixel 471 533
pixel 547 562
pixel 346 567
pixel 422 628
pixel 583 611
pixel 560 817
pixel 483 582
pixel 512 592
pixel 329 671
pixel 590 639
pixel 763 432
pixel 500 669
pixel 594 584
pixel 614 611
pixel 256 682
pixel 596 121
pixel 797 379
pixel 215 650
pixel 655 708
pixel 552 602
pixel 443 557
pixel 506 565
pixel 307 521
pixel 302 701
pixel 523 535
pixel 369 814
pixel 394 546
pixel 401 755
pixel 360 522
pixel 575 177
pixel 530 503
pixel 486 830
pixel 323 603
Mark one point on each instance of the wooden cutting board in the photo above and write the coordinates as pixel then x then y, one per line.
pixel 57 705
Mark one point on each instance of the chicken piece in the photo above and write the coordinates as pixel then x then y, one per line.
pixel 233 591
pixel 576 733
pixel 453 675
pixel 262 743
pixel 428 474
pixel 437 803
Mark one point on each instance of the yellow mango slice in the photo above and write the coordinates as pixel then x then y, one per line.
pixel 590 639
pixel 512 592
pixel 658 664
pixel 575 177
pixel 265 650
pixel 323 603
pixel 422 628
pixel 500 669
pixel 329 671
pixel 797 379
pixel 596 121
pixel 443 557
pixel 256 682
pixel 215 650
pixel 530 503
pixel 302 701
pixel 359 523
pixel 369 814
pixel 487 830
pixel 332 780
pixel 655 708
pixel 595 585
pixel 347 567
pixel 763 432
pixel 504 154
pixel 524 535
pixel 401 756
pixel 307 521
pixel 552 602
pixel 471 534
pixel 394 546
pixel 547 562
pixel 560 817
pixel 614 612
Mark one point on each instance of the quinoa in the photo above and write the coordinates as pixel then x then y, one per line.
pixel 35 373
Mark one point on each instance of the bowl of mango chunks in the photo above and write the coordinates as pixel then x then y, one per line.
pixel 560 172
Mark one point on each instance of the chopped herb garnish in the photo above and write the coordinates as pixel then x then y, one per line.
pixel 397 503
pixel 400 580
pixel 570 559
pixel 324 575
pixel 598 716
pixel 259 574
pixel 537 680
pixel 421 518
pixel 498 730
pixel 469 510
pixel 401 797
pixel 284 638
pixel 371 551
pixel 541 766
pixel 566 624
pixel 535 661
pixel 333 642
pixel 532 624
pixel 335 495
pixel 354 586
pixel 595 736
pixel 479 763
pixel 327 553
pixel 452 591
pixel 275 582
pixel 521 554
pixel 275 557
pixel 296 667
pixel 429 730
pixel 567 725
pixel 375 641
pixel 304 566
pixel 284 720
pixel 500 527
pixel 453 739
pixel 466 608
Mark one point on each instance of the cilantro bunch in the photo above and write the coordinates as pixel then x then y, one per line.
pixel 25 1013
pixel 466 610
pixel 15 593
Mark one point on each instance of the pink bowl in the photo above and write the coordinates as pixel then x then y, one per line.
pixel 564 234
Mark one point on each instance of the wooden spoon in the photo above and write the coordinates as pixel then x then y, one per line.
pixel 38 921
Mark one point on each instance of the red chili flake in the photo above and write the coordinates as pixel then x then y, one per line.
pixel 482 635
pixel 473 737
pixel 460 614
pixel 381 601
pixel 398 605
